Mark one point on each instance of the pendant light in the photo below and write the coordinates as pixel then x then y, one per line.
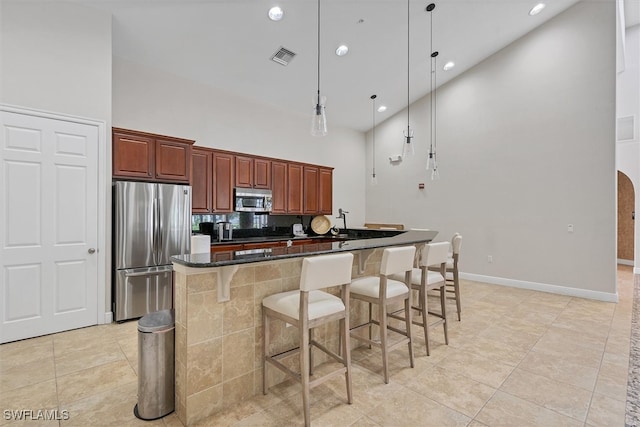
pixel 374 178
pixel 407 146
pixel 319 117
pixel 432 162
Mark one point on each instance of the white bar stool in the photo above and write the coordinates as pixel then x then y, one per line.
pixel 432 255
pixel 384 291
pixel 307 309
pixel 452 274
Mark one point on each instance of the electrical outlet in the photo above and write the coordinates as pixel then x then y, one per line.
pixel 490 259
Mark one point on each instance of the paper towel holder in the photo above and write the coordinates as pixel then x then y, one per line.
pixel 200 244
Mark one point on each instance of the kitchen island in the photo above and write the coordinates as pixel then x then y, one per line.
pixel 218 336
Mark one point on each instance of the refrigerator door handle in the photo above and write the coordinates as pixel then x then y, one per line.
pixel 156 209
pixel 160 244
pixel 133 273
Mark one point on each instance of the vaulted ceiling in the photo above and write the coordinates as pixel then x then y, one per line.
pixel 228 44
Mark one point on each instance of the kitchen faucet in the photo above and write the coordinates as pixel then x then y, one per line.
pixel 342 214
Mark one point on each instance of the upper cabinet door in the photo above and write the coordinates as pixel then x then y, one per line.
pixel 201 181
pixel 279 187
pixel 150 157
pixel 262 173
pixel 223 177
pixel 173 160
pixel 294 188
pixel 325 191
pixel 244 172
pixel 311 190
pixel 133 156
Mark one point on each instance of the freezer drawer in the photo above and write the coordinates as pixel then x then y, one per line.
pixel 140 291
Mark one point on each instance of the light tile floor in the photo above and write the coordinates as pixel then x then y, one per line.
pixel 518 358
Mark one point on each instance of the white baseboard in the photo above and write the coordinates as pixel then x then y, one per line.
pixel 108 317
pixel 543 287
pixel 625 262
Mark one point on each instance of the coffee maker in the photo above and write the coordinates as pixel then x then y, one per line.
pixel 225 230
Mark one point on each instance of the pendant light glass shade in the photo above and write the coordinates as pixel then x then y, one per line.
pixel 319 116
pixel 407 146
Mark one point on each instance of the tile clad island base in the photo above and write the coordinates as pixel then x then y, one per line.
pixel 218 336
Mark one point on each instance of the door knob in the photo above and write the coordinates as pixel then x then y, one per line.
pixel 91 251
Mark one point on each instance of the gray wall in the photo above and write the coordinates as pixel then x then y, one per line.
pixel 525 146
pixel 56 56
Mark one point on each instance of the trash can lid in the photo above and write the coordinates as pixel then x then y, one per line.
pixel 157 321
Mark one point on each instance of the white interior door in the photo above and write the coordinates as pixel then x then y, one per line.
pixel 48 225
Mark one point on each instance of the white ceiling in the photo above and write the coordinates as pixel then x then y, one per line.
pixel 228 44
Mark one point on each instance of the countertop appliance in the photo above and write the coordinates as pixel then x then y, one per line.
pixel 151 223
pixel 253 200
pixel 298 231
pixel 225 230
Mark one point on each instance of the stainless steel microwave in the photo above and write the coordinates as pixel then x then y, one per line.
pixel 253 200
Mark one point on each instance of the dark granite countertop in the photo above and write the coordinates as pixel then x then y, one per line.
pixel 355 240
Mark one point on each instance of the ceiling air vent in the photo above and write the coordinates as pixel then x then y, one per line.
pixel 283 56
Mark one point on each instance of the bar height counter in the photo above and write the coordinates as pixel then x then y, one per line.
pixel 218 335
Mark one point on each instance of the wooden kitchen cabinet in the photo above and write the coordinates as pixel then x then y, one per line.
pixel 150 157
pixel 310 193
pixel 202 181
pixel 295 190
pixel 223 179
pixel 244 172
pixel 325 191
pixel 262 173
pixel 278 187
pixel 252 172
pixel 133 155
pixel 226 248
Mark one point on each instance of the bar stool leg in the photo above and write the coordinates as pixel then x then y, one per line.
pixel 345 342
pixel 408 321
pixel 370 325
pixel 310 352
pixel 425 316
pixel 304 371
pixel 456 288
pixel 382 310
pixel 443 305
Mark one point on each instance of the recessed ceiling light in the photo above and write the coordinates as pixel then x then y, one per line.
pixel 276 13
pixel 342 50
pixel 536 9
pixel 382 109
pixel 449 65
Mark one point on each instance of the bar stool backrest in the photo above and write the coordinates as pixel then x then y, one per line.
pixel 456 242
pixel 397 260
pixel 434 254
pixel 325 271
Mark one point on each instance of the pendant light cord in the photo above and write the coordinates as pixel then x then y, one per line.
pixel 433 71
pixel 408 67
pixel 318 52
pixel 373 134
pixel 432 80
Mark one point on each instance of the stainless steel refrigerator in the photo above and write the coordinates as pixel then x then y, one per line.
pixel 151 223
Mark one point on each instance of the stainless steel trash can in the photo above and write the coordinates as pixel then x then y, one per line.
pixel 156 347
